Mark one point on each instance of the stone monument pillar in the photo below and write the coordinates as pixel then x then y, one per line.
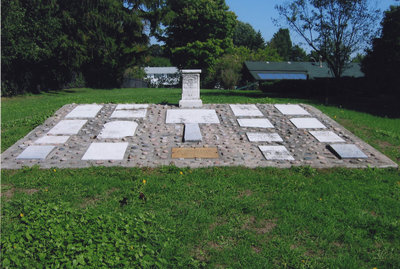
pixel 190 89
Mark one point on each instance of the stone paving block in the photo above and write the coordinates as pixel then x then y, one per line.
pixel 131 106
pixel 35 152
pixel 291 110
pixel 326 136
pixel 276 153
pixel 192 133
pixel 118 129
pixel 347 151
pixel 106 151
pixel 307 123
pixel 191 116
pixel 84 111
pixel 246 111
pixel 264 137
pixel 52 139
pixel 67 127
pixel 255 123
pixel 191 153
pixel 126 113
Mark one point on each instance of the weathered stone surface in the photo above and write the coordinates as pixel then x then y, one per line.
pixel 246 111
pixel 276 153
pixel 256 123
pixel 192 133
pixel 132 113
pixel 291 110
pixel 131 106
pixel 84 111
pixel 118 129
pixel 51 139
pixel 67 127
pixel 191 116
pixel 35 152
pixel 105 151
pixel 347 151
pixel 307 123
pixel 192 153
pixel 190 89
pixel 264 137
pixel 326 136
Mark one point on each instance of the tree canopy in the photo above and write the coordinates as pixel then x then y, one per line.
pixel 246 36
pixel 335 29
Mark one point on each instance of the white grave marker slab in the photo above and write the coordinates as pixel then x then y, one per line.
pixel 246 110
pixel 50 139
pixel 131 106
pixel 347 151
pixel 105 151
pixel 35 152
pixel 276 153
pixel 307 123
pixel 118 129
pixel 84 111
pixel 136 113
pixel 326 136
pixel 264 137
pixel 191 116
pixel 67 127
pixel 291 110
pixel 255 123
pixel 190 89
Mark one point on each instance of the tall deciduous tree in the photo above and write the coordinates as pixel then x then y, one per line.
pixel 198 32
pixel 333 28
pixel 383 61
pixel 246 36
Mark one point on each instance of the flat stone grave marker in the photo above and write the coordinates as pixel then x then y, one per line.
pixel 67 127
pixel 291 110
pixel 131 106
pixel 307 123
pixel 264 137
pixel 246 111
pixel 106 151
pixel 51 139
pixel 191 153
pixel 192 133
pixel 255 123
pixel 191 116
pixel 118 129
pixel 190 89
pixel 35 152
pixel 276 153
pixel 326 136
pixel 130 111
pixel 347 151
pixel 84 111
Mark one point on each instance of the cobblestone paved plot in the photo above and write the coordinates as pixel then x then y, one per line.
pixel 152 143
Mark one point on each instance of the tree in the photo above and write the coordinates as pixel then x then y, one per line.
pixel 335 29
pixel 282 43
pixel 382 62
pixel 198 32
pixel 246 36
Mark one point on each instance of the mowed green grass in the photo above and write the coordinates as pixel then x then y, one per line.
pixel 210 217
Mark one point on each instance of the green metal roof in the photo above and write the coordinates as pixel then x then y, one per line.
pixel 312 70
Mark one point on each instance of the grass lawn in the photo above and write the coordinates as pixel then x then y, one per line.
pixel 210 217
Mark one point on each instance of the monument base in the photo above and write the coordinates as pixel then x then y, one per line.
pixel 190 103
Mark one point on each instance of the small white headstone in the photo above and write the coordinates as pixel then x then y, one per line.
pixel 84 111
pixel 264 137
pixel 118 129
pixel 291 110
pixel 307 123
pixel 105 151
pixel 326 136
pixel 35 152
pixel 51 139
pixel 255 123
pixel 276 153
pixel 67 127
pixel 190 89
pixel 191 116
pixel 246 110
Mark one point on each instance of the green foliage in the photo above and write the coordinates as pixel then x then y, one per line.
pixel 382 62
pixel 197 33
pixel 334 29
pixel 246 36
pixel 135 72
pixel 282 43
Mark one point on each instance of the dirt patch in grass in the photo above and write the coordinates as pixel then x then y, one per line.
pixel 260 227
pixel 219 222
pixel 338 244
pixel 246 193
pixel 200 254
pixel 93 200
pixel 256 249
pixel 9 193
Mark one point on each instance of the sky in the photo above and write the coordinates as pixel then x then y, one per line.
pixel 259 13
